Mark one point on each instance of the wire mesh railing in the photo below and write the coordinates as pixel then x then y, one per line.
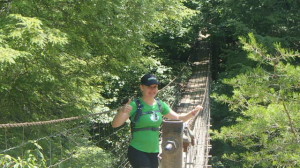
pixel 63 144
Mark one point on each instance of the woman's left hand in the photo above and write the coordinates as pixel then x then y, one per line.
pixel 196 110
pixel 185 116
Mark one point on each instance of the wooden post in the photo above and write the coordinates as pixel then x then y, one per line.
pixel 172 132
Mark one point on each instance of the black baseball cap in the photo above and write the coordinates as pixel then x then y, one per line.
pixel 149 79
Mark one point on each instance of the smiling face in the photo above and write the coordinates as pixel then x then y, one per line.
pixel 149 91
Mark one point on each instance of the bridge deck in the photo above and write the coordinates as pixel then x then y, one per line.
pixel 196 93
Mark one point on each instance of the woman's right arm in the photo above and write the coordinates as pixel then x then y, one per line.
pixel 122 115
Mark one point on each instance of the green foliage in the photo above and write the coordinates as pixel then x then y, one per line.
pixel 267 98
pixel 90 157
pixel 30 159
pixel 256 81
pixel 39 77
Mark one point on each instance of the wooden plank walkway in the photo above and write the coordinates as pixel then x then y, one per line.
pixel 197 93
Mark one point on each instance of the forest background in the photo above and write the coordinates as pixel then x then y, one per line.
pixel 64 58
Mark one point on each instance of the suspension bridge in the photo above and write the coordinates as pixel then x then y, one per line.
pixel 75 141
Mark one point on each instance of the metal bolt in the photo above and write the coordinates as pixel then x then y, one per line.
pixel 170 146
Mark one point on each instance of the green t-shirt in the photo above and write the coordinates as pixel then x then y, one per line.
pixel 147 140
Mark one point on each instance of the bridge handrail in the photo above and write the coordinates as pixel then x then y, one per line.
pixel 27 124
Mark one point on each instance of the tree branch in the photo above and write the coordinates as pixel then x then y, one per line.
pixel 291 123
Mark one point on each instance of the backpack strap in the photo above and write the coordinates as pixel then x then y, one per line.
pixel 159 104
pixel 139 113
pixel 146 129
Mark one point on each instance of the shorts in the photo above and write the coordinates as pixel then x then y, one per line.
pixel 139 159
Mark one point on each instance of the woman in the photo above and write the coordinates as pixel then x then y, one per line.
pixel 146 115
